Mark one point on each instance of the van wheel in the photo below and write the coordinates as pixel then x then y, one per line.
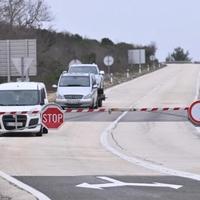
pixel 97 104
pixel 44 130
pixel 100 103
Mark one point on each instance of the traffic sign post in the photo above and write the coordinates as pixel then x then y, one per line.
pixel 108 61
pixel 194 112
pixel 74 61
pixel 52 116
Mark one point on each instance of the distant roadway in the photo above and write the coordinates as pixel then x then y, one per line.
pixel 141 147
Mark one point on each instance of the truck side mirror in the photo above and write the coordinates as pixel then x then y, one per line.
pixel 54 86
pixel 102 73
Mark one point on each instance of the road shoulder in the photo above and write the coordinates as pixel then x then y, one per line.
pixel 9 191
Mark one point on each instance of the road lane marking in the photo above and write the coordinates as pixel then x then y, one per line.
pixel 140 162
pixel 25 187
pixel 116 183
pixel 134 160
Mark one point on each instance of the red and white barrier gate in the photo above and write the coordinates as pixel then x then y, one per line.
pixel 110 110
pixel 53 116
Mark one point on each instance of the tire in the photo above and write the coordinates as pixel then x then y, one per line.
pixel 92 106
pixel 44 130
pixel 100 103
pixel 39 134
pixel 97 104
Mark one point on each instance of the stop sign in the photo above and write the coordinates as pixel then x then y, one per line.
pixel 52 116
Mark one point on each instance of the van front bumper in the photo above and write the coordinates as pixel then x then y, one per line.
pixel 74 102
pixel 19 123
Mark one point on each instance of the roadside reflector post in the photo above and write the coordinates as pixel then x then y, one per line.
pixel 148 68
pixel 127 73
pixel 140 68
pixel 111 78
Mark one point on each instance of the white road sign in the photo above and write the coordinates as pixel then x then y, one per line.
pixel 115 183
pixel 136 56
pixel 152 57
pixel 194 112
pixel 13 49
pixel 74 61
pixel 25 65
pixel 108 60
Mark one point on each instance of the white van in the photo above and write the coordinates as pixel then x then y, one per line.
pixel 20 106
pixel 99 76
pixel 77 90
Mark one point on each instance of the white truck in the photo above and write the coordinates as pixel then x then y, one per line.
pixel 77 90
pixel 20 106
pixel 92 69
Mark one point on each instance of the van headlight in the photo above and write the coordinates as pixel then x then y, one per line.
pixel 89 96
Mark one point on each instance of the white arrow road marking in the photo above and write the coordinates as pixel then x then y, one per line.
pixel 116 183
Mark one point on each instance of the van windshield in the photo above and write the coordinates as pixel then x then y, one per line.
pixel 83 69
pixel 19 97
pixel 74 81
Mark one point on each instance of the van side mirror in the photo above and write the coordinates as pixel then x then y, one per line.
pixel 102 73
pixel 94 86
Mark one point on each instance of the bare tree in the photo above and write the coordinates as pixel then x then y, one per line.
pixel 11 10
pixel 26 13
pixel 36 13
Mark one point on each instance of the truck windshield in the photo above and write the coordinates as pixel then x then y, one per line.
pixel 19 97
pixel 83 69
pixel 74 81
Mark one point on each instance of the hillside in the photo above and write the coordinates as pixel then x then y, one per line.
pixel 55 50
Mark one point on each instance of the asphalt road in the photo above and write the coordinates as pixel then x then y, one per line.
pixel 64 188
pixel 143 147
pixel 130 117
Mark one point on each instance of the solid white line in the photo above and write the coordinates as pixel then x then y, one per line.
pixel 140 162
pixel 34 192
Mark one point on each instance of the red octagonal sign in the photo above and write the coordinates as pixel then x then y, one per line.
pixel 52 116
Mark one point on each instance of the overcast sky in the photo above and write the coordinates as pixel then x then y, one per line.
pixel 168 23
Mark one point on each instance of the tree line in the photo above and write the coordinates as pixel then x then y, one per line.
pixel 35 13
pixel 25 19
pixel 179 54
